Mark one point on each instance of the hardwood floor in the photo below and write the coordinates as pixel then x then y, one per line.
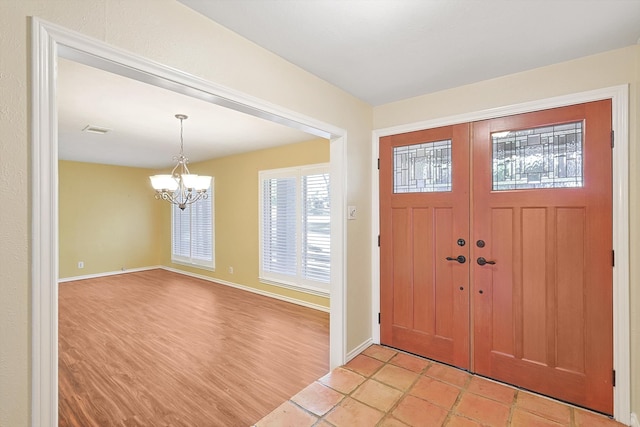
pixel 157 348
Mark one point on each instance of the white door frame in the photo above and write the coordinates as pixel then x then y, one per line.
pixel 619 96
pixel 49 41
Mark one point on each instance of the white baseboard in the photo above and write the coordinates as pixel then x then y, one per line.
pixel 634 420
pixel 250 289
pixel 359 349
pixel 199 276
pixel 108 273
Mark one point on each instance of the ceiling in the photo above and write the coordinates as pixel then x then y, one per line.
pixel 378 50
pixel 143 130
pixel 382 51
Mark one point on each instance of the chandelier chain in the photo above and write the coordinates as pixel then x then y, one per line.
pixel 181 139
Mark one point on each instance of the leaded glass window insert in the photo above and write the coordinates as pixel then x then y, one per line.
pixel 422 168
pixel 544 157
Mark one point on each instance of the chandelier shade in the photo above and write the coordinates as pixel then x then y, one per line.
pixel 163 182
pixel 181 187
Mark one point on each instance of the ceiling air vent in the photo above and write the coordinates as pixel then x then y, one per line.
pixel 95 129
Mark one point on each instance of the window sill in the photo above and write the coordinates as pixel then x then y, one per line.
pixel 296 287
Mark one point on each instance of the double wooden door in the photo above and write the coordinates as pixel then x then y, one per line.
pixel 496 249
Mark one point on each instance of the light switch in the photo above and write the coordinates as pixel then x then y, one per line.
pixel 351 212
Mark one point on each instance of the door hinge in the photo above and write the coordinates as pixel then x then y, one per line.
pixel 613 258
pixel 378 240
pixel 613 378
pixel 379 323
pixel 612 139
pixel 378 164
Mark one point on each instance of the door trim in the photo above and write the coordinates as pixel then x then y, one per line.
pixel 50 41
pixel 619 96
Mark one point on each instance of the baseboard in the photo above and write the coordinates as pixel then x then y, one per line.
pixel 250 289
pixel 359 349
pixel 108 273
pixel 634 420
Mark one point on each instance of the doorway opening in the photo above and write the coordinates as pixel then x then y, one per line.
pixel 50 42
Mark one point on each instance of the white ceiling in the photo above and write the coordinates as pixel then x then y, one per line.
pixel 386 50
pixel 143 129
pixel 378 50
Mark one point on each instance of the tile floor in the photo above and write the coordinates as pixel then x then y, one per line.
pixel 385 388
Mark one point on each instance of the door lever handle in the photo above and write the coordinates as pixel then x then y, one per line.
pixel 482 261
pixel 460 258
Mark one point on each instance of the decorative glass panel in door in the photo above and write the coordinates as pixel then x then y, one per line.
pixel 423 167
pixel 542 157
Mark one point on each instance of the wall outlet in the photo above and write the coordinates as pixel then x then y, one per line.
pixel 230 270
pixel 80 264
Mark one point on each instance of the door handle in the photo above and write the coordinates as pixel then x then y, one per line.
pixel 482 261
pixel 460 258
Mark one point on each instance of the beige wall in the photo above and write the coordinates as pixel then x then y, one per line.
pixel 181 38
pixel 236 212
pixel 600 71
pixel 108 219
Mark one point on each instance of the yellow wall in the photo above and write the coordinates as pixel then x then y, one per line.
pixel 108 218
pixel 608 69
pixel 236 212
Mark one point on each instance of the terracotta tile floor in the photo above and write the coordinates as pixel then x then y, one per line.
pixel 385 388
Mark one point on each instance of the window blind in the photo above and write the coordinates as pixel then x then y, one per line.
pixel 279 226
pixel 295 246
pixel 192 233
pixel 316 226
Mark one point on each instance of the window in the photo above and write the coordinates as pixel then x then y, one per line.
pixel 295 228
pixel 192 239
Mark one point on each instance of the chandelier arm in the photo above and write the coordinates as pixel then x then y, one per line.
pixel 185 168
pixel 186 197
pixel 173 171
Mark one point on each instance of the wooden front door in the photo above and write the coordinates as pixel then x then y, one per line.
pixel 536 284
pixel 543 313
pixel 424 214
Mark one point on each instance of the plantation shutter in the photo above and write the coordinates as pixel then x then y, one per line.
pixel 192 233
pixel 295 228
pixel 279 226
pixel 202 226
pixel 316 228
pixel 181 240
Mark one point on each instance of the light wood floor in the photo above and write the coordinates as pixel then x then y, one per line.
pixel 157 348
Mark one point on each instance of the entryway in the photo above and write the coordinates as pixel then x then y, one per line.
pixel 496 249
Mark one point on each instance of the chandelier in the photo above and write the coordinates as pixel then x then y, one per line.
pixel 181 187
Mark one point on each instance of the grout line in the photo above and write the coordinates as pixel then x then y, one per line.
pixel 463 390
pixel 451 412
pixel 512 407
